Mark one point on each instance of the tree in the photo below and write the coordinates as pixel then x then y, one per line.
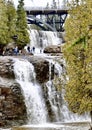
pixel 47 6
pixel 3 23
pixel 78 54
pixel 11 23
pixel 22 27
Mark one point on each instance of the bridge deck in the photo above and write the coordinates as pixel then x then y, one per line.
pixel 46 11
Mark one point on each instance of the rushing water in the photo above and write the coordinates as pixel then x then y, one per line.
pixel 25 76
pixel 42 39
pixel 35 103
pixel 39 117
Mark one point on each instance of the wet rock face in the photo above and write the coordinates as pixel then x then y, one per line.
pixel 12 106
pixel 42 69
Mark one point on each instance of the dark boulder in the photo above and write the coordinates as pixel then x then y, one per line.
pixel 41 66
pixel 53 49
pixel 12 106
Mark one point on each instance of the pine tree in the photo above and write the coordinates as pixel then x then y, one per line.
pixel 78 54
pixel 11 23
pixel 22 27
pixel 3 23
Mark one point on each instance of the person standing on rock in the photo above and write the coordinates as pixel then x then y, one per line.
pixel 16 50
pixel 28 49
pixel 33 49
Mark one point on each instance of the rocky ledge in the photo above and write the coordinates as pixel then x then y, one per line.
pixel 41 67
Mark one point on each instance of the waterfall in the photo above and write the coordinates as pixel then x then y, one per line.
pixel 44 103
pixel 42 39
pixel 34 101
pixel 59 107
pixel 69 116
pixel 54 96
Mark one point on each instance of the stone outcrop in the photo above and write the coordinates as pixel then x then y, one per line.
pixel 6 67
pixel 12 106
pixel 41 66
pixel 53 49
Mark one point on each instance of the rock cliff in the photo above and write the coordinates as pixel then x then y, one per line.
pixel 12 106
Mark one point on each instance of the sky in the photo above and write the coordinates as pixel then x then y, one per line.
pixel 35 3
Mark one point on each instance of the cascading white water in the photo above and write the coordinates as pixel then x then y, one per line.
pixel 52 100
pixel 34 101
pixel 42 39
pixel 57 101
pixel 25 76
pixel 53 96
pixel 69 116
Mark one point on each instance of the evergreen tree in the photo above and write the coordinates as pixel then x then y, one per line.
pixel 11 23
pixel 78 54
pixel 22 27
pixel 3 23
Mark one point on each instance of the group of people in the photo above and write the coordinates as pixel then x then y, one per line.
pixel 29 50
pixel 16 51
pixel 10 51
